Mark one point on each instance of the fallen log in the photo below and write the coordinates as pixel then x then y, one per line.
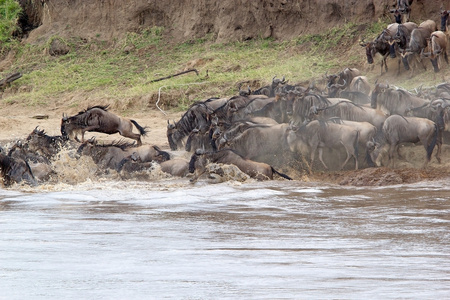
pixel 9 78
pixel 170 76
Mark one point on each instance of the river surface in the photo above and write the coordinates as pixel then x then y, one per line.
pixel 260 240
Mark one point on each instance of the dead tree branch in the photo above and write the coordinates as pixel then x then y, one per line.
pixel 181 73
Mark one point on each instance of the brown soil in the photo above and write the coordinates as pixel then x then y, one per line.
pixel 227 20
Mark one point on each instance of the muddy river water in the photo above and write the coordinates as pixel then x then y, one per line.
pixel 169 239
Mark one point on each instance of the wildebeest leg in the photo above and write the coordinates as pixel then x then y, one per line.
pixel 133 136
pixel 321 158
pixel 421 62
pixel 438 151
pixel 88 128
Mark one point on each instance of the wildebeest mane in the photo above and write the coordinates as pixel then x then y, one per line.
pixel 102 107
pixel 193 118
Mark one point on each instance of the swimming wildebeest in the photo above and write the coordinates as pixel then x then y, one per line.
pixel 15 171
pixel 99 119
pixel 111 155
pixel 40 143
pixel 321 134
pixel 257 170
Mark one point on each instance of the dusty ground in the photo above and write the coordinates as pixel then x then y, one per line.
pixel 17 123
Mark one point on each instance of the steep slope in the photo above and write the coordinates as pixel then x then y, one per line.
pixel 224 20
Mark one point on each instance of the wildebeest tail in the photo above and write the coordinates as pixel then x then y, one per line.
pixel 142 130
pixel 281 174
pixel 432 144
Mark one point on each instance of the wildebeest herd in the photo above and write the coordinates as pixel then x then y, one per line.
pixel 410 44
pixel 276 127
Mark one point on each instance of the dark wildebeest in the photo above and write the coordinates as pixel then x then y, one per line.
pixel 257 170
pixel 395 101
pixel 387 36
pixel 111 155
pixel 15 171
pixel 176 167
pixel 437 45
pixel 269 90
pixel 197 116
pixel 374 47
pixel 417 43
pixel 340 80
pixel 48 146
pixel 444 20
pixel 398 129
pixel 317 135
pixel 404 7
pixel 99 119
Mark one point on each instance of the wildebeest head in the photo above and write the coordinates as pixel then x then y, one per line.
pixel 333 89
pixel 276 82
pixel 373 154
pixel 68 128
pixel 378 89
pixel 405 54
pixel 246 92
pixel 162 155
pixel 197 164
pixel 173 136
pixel 370 50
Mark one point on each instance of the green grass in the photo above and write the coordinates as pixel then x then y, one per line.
pixel 9 14
pixel 120 70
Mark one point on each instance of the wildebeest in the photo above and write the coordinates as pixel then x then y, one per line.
pixel 341 80
pixel 360 84
pixel 261 143
pixel 403 34
pixel 196 116
pixel 395 101
pixel 15 171
pixel 317 135
pixel 418 42
pixel 374 47
pixel 387 36
pixel 269 90
pixel 399 129
pixel 48 146
pixel 366 130
pixel 404 7
pixel 176 167
pixel 110 155
pixel 257 170
pixel 444 20
pixel 348 110
pixel 437 45
pixel 99 119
